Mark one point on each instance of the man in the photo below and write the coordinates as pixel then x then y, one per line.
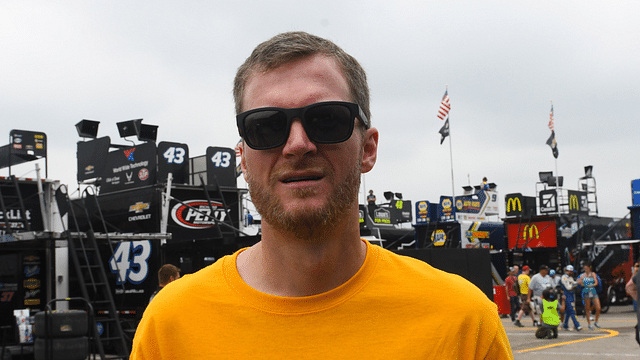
pixel 553 281
pixel 511 283
pixel 311 288
pixel 568 285
pixel 485 185
pixel 166 274
pixel 539 282
pixel 371 203
pixel 525 302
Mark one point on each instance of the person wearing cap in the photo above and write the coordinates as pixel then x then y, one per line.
pixel 511 282
pixel 568 284
pixel 525 303
pixel 539 282
pixel 552 278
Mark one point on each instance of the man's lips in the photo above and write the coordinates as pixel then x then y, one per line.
pixel 291 178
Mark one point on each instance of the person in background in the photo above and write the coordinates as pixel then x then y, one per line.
pixel 485 186
pixel 552 279
pixel 166 274
pixel 550 316
pixel 371 203
pixel 633 294
pixel 632 289
pixel 513 291
pixel 525 302
pixel 568 284
pixel 539 282
pixel 589 281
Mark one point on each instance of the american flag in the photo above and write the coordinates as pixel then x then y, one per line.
pixel 444 106
pixel 551 119
pixel 237 148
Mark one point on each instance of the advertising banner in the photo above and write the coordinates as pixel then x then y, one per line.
pixel 536 234
pixel 14 215
pixel 221 166
pixel 191 218
pixel 548 201
pixel 578 202
pixel 446 210
pixel 173 158
pixel 129 168
pixel 91 158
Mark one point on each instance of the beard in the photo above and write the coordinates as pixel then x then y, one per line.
pixel 310 224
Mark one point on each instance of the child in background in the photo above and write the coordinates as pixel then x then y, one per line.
pixel 550 316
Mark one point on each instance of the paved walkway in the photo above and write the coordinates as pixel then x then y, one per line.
pixel 616 339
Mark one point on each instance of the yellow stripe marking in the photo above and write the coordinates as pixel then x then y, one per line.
pixel 611 333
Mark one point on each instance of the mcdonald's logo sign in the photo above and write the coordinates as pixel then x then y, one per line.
pixel 574 203
pixel 530 232
pixel 513 204
pixel 537 234
pixel 578 202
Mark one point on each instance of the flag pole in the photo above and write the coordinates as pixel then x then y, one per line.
pixel 453 188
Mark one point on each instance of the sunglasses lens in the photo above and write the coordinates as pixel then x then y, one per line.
pixel 328 123
pixel 266 129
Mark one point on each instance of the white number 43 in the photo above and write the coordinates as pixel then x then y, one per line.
pixel 130 261
pixel 221 159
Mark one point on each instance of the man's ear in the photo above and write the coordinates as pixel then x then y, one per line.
pixel 243 165
pixel 370 150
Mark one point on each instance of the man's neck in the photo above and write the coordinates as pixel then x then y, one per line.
pixel 283 265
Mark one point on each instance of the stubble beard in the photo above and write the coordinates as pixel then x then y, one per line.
pixel 308 224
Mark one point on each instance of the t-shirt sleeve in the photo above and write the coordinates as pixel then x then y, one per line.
pixel 498 342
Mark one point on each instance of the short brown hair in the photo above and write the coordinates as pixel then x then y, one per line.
pixel 289 46
pixel 166 272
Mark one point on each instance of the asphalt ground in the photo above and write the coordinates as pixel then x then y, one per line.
pixel 615 339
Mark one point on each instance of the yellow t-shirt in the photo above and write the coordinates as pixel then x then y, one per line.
pixel 524 281
pixel 395 307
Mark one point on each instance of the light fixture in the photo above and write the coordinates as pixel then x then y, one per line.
pixel 545 175
pixel 147 132
pixel 128 127
pixel 88 128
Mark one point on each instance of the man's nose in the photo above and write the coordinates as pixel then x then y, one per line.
pixel 298 141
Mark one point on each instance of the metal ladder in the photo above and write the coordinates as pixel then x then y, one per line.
pixel 87 261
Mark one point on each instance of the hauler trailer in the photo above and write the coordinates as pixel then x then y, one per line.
pixel 463 235
pixel 137 207
pixel 385 224
pixel 561 227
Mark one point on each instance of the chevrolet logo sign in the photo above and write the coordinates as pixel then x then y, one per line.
pixel 138 207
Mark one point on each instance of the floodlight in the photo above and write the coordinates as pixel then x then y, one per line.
pixel 552 181
pixel 545 175
pixel 388 195
pixel 147 132
pixel 88 128
pixel 588 171
pixel 128 127
pixel 399 196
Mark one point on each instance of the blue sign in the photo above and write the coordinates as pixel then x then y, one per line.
pixel 635 192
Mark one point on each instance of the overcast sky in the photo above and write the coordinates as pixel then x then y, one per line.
pixel 173 62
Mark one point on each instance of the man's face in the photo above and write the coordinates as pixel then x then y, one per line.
pixel 544 272
pixel 302 184
pixel 516 269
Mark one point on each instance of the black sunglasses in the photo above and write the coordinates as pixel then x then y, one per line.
pixel 328 122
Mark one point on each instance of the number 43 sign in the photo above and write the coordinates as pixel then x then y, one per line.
pixel 221 164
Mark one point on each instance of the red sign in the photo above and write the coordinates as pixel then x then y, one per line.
pixel 537 234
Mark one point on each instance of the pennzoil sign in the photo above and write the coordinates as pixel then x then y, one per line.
pixel 197 214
